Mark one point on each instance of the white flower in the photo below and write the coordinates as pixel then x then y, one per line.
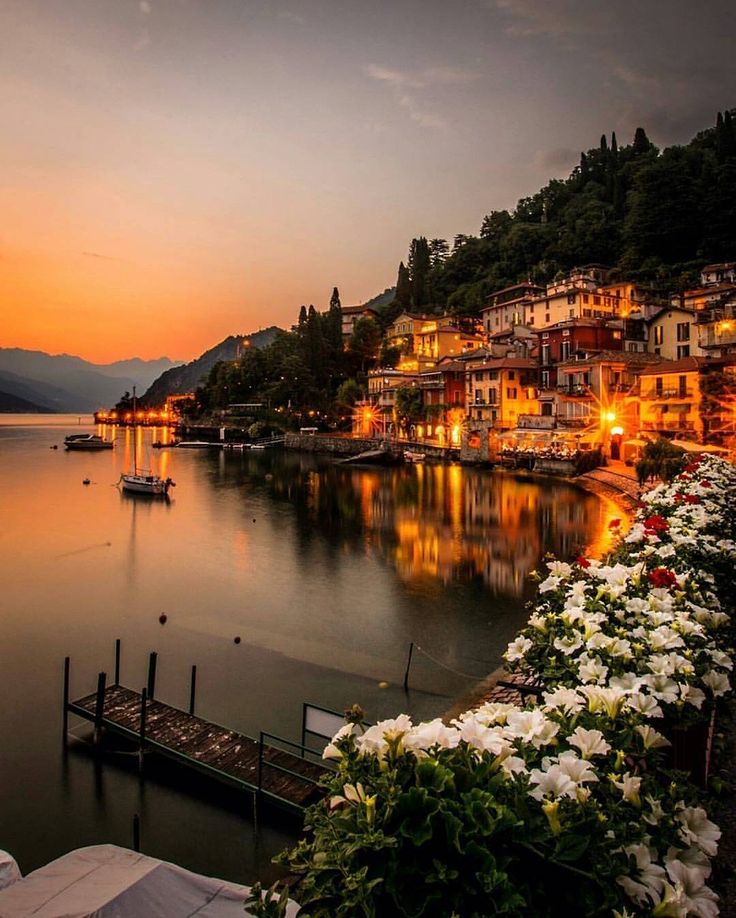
pixel 551 583
pixel 567 699
pixel 717 682
pixel 517 649
pixel 531 727
pixel 629 785
pixel 433 733
pixel 692 695
pixel 644 704
pixel 551 783
pixel 376 739
pixel 331 751
pixel 559 568
pixel 700 899
pixel 592 670
pixel 697 829
pixel 484 738
pixel 568 644
pixel 652 739
pixel 578 770
pixel 494 712
pixel 589 742
pixel 647 881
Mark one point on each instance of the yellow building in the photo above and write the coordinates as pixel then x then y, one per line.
pixel 500 389
pixel 668 399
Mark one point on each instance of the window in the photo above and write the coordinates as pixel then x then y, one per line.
pixel 545 355
pixel 586 298
pixel 545 379
pixel 570 300
pixel 492 393
pixel 617 336
pixel 587 313
pixel 530 320
pixel 683 331
pixel 682 386
pixel 546 317
pixel 512 375
pixel 658 385
pixel 659 334
pixel 493 374
pixel 572 313
pixel 596 301
pixel 683 350
pixel 565 350
pixel 511 392
pixel 478 397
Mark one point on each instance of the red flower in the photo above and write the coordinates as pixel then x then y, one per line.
pixel 692 466
pixel 679 497
pixel 692 499
pixel 705 484
pixel 614 524
pixel 583 562
pixel 656 523
pixel 661 577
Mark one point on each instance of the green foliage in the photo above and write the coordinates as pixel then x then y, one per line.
pixel 365 342
pixel 409 403
pixel 660 459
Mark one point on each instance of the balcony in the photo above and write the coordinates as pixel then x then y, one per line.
pixel 563 421
pixel 666 394
pixel 577 391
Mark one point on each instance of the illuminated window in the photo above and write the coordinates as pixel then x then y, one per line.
pixel 659 334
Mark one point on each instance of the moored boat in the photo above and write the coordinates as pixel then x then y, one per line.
pixel 140 481
pixel 413 456
pixel 86 442
pixel 197 444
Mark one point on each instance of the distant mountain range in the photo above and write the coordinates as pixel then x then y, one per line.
pixel 34 380
pixel 179 380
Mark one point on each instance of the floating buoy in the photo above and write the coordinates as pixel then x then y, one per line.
pixel 383 684
pixel 53 447
pixel 86 481
pixel 163 618
pixel 254 519
pixel 236 640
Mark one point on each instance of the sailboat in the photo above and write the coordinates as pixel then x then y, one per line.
pixel 140 481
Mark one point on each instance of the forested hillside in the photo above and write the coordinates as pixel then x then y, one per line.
pixel 657 217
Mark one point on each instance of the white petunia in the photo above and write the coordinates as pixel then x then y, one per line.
pixel 589 742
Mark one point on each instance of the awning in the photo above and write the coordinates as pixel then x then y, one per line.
pixel 690 447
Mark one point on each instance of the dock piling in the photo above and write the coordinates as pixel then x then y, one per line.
pixel 142 730
pixel 65 717
pixel 408 664
pixel 193 690
pixel 99 706
pixel 152 674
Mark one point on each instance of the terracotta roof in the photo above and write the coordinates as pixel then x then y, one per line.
pixel 510 363
pixel 352 309
pixel 630 358
pixel 522 285
pixel 684 365
pixel 658 313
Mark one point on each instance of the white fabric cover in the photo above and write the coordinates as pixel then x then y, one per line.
pixel 9 870
pixel 105 881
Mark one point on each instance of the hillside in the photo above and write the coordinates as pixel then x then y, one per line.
pixel 67 383
pixel 656 217
pixel 11 404
pixel 179 380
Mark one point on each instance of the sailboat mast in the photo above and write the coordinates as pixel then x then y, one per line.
pixel 135 436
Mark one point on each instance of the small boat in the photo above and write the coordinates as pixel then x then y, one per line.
pixel 86 441
pixel 140 481
pixel 197 444
pixel 257 446
pixel 413 456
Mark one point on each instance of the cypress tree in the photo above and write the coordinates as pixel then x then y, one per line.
pixel 333 324
pixel 403 286
pixel 642 144
pixel 604 144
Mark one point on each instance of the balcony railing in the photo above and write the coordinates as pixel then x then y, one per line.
pixel 662 394
pixel 563 421
pixel 578 391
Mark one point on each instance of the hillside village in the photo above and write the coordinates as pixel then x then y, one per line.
pixel 579 364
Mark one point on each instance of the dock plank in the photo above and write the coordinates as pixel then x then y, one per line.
pixel 198 743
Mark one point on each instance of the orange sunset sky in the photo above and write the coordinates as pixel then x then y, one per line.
pixel 175 171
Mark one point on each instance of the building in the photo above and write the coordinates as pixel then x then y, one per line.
pixel 716 328
pixel 667 399
pixel 509 307
pixel 350 316
pixel 672 333
pixel 499 389
pixel 719 274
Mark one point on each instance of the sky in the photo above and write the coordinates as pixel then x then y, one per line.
pixel 176 171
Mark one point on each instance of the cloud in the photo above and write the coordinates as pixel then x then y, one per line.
pixel 551 18
pixel 97 255
pixel 405 84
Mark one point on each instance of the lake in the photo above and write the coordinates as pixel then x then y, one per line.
pixel 326 573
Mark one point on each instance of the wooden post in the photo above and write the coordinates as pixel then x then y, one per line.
pixel 117 661
pixel 193 690
pixel 99 705
pixel 65 718
pixel 152 675
pixel 136 832
pixel 142 730
pixel 408 664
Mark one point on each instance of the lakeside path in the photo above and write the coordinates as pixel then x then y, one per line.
pixel 620 485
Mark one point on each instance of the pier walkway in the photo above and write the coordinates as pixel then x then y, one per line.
pixel 269 766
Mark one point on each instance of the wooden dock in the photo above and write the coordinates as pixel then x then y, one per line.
pixel 261 766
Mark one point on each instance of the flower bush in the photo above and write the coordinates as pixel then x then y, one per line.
pixel 566 805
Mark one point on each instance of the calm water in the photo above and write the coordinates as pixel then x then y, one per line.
pixel 326 572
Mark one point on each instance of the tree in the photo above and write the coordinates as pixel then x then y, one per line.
pixel 403 286
pixel 365 341
pixel 409 403
pixel 419 267
pixel 439 251
pixel 333 327
pixel 642 144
